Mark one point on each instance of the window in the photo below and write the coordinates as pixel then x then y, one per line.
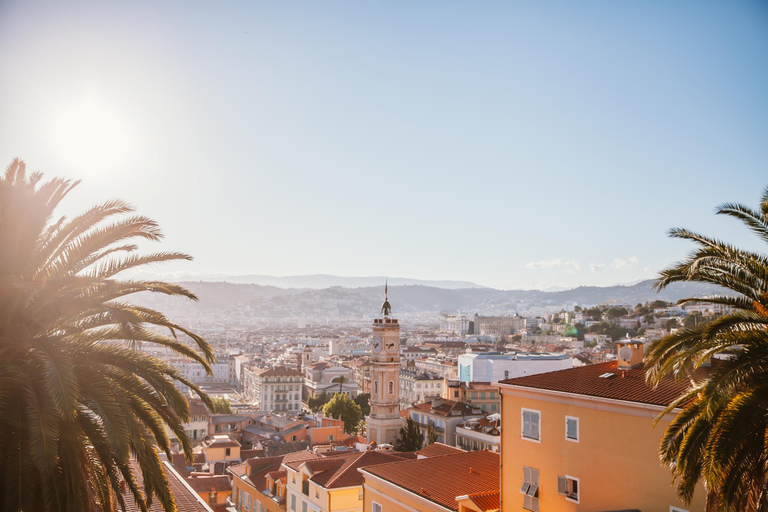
pixel 455 394
pixel 530 489
pixel 506 374
pixel 482 395
pixel 568 486
pixel 531 425
pixel 493 407
pixel 572 429
pixel 303 506
pixel 293 502
pixel 391 387
pixel 360 494
pixel 375 507
pixel 229 450
pixel 375 387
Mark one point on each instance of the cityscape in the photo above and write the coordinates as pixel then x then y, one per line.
pixel 403 256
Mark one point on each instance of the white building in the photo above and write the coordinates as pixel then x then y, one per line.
pixel 278 389
pixel 454 324
pixel 494 366
pixel 417 386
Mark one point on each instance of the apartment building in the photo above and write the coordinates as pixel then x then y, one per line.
pixel 329 484
pixel 484 395
pixel 583 439
pixel 417 386
pixel 279 389
pixel 453 482
pixel 444 416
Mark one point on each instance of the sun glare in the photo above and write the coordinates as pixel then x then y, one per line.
pixel 91 137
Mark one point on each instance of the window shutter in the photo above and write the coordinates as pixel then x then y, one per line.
pixel 534 425
pixel 526 479
pixel 562 485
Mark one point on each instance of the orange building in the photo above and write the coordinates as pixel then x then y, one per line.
pixel 582 439
pixel 447 480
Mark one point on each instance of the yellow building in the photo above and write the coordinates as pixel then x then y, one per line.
pixel 214 490
pixel 448 482
pixel 220 451
pixel 330 483
pixel 484 395
pixel 582 439
pixel 258 485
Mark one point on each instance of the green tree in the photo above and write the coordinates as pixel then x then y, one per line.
pixel 363 400
pixel 410 438
pixel 342 407
pixel 431 434
pixel 316 403
pixel 77 400
pixel 719 436
pixel 221 405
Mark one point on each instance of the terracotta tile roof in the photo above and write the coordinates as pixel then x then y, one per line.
pixel 346 474
pixel 198 408
pixel 438 449
pixel 210 483
pixel 442 479
pixel 626 385
pixel 481 386
pixel 260 468
pixel 445 407
pixel 187 500
pixel 278 475
pixel 486 501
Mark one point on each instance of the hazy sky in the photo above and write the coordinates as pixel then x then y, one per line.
pixel 509 143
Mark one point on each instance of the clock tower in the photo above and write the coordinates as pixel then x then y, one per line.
pixel 384 422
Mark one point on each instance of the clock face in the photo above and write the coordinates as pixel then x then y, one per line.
pixel 390 346
pixel 376 344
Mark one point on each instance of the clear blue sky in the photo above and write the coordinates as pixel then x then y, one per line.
pixel 514 144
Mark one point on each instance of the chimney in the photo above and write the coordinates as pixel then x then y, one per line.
pixel 630 354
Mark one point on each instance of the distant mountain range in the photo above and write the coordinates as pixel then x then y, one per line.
pixel 408 300
pixel 319 281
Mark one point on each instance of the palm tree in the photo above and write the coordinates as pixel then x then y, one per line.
pixel 341 380
pixel 719 436
pixel 78 400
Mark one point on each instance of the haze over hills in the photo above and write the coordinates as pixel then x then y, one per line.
pixel 314 281
pixel 412 301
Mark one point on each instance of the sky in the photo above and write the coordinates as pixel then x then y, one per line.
pixel 520 144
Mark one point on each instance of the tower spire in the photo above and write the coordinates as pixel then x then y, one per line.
pixel 386 309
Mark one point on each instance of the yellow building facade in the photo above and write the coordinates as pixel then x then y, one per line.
pixel 582 440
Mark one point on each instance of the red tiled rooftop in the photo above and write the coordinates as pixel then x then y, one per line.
pixel 210 483
pixel 186 499
pixel 447 407
pixel 486 501
pixel 346 473
pixel 438 449
pixel 626 385
pixel 442 479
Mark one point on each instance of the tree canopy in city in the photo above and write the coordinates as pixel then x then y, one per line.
pixel 340 406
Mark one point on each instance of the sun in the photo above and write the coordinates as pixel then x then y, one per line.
pixel 91 137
